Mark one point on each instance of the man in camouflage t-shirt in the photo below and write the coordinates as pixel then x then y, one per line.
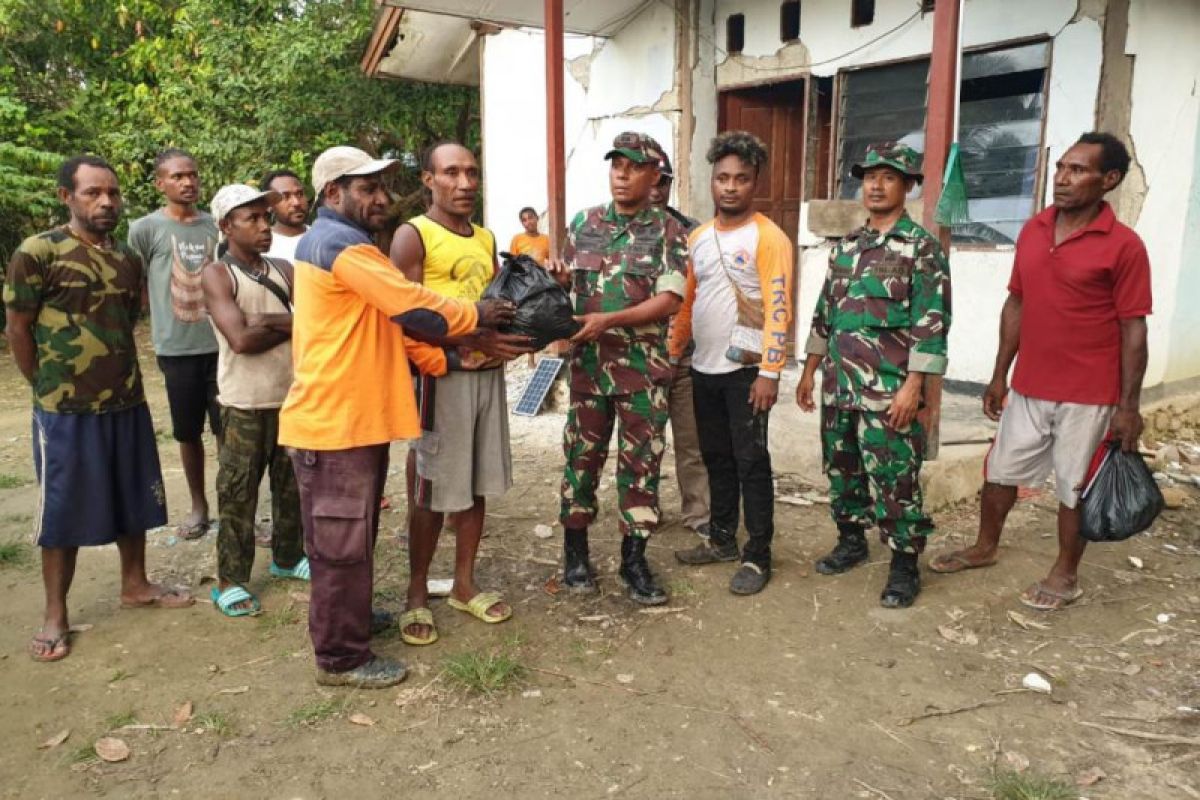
pixel 627 265
pixel 879 328
pixel 72 296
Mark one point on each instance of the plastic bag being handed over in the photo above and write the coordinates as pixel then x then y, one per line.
pixel 544 310
pixel 1121 499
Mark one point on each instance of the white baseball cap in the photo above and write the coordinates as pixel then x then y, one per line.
pixel 236 195
pixel 340 162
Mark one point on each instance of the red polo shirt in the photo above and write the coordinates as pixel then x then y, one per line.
pixel 1072 299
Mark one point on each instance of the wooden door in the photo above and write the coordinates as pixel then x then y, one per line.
pixel 775 114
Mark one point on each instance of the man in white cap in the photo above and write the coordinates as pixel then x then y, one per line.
pixel 249 299
pixel 352 395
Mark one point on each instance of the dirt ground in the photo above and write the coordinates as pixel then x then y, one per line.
pixel 807 690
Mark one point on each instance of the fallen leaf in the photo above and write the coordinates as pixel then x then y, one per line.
pixel 1090 777
pixel 965 636
pixel 112 749
pixel 359 718
pixel 1136 562
pixel 1027 623
pixel 182 714
pixel 82 627
pixel 552 588
pixel 235 690
pixel 624 677
pixel 55 740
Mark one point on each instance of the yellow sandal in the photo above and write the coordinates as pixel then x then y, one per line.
pixel 418 616
pixel 478 607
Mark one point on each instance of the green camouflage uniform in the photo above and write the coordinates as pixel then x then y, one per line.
pixel 87 300
pixel 884 311
pixel 618 262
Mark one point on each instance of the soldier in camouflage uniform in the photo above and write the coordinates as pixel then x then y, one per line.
pixel 626 262
pixel 72 296
pixel 879 328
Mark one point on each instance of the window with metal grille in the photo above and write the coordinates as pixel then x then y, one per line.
pixel 789 21
pixel 1002 94
pixel 735 33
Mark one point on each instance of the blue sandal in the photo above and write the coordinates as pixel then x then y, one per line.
pixel 300 572
pixel 226 602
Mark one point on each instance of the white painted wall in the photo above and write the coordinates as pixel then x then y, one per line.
pixel 1163 125
pixel 628 85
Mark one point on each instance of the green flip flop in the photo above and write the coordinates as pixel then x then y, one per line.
pixel 226 602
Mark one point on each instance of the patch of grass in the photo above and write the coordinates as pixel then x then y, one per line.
pixel 217 722
pixel 316 711
pixel 484 673
pixel 1009 785
pixel 15 554
pixel 270 622
pixel 120 720
pixel 10 481
pixel 681 587
pixel 16 519
pixel 119 675
pixel 84 754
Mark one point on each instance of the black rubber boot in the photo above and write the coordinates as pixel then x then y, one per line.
pixel 636 573
pixel 904 581
pixel 850 550
pixel 578 573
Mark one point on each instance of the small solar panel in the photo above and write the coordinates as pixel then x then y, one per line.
pixel 539 384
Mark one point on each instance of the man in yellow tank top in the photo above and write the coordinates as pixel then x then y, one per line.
pixel 463 454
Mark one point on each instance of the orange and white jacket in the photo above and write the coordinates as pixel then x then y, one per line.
pixel 758 256
pixel 352 386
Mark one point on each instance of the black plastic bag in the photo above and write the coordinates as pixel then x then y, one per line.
pixel 544 310
pixel 1121 499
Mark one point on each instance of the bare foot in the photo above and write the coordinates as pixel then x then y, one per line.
pixel 973 557
pixel 151 595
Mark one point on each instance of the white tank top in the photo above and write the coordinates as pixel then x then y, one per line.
pixel 258 380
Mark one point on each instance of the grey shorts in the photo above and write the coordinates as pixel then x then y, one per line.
pixel 463 452
pixel 1037 436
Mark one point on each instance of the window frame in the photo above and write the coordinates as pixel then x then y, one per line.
pixel 789 39
pixel 837 176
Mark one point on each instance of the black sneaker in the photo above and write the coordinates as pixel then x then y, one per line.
pixel 904 582
pixel 707 552
pixel 378 673
pixel 749 579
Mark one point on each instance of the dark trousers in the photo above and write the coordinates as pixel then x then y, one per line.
pixel 339 506
pixel 733 442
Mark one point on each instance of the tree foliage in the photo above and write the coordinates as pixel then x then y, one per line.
pixel 245 85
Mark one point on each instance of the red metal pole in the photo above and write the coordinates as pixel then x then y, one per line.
pixel 556 157
pixel 939 122
pixel 939 133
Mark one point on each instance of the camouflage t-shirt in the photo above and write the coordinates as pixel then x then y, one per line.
pixel 883 312
pixel 618 262
pixel 86 300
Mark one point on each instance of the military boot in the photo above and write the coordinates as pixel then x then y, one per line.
pixel 636 573
pixel 578 573
pixel 903 583
pixel 850 550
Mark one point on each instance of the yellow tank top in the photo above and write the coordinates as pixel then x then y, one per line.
pixel 456 266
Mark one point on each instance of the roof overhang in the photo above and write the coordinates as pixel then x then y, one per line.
pixel 438 42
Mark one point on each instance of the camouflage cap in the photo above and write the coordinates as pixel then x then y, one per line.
pixel 637 147
pixel 899 157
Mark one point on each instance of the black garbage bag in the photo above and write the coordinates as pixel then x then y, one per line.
pixel 544 310
pixel 1121 499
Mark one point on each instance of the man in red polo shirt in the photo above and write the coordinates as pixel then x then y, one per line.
pixel 1076 315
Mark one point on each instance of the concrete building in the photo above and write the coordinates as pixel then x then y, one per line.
pixel 818 79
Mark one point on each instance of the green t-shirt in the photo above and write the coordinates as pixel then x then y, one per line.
pixel 86 300
pixel 174 254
